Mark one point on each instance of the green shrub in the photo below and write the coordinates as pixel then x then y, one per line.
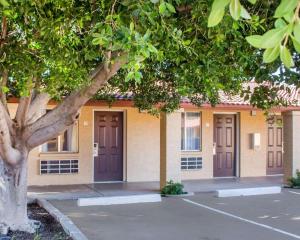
pixel 172 189
pixel 295 181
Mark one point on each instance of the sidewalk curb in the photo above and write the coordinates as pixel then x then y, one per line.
pixel 130 199
pixel 237 192
pixel 70 228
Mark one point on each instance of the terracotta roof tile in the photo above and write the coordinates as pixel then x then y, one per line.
pixel 292 96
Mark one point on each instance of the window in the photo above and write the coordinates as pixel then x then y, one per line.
pixel 191 163
pixel 190 131
pixel 65 142
pixel 58 166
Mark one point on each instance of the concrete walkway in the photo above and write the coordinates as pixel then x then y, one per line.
pixel 65 192
pixel 211 185
pixel 198 217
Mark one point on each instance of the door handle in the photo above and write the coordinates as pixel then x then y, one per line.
pixel 95 150
pixel 214 148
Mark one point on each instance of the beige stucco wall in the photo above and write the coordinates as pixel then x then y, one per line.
pixel 141 150
pixel 252 162
pixel 142 147
pixel 170 140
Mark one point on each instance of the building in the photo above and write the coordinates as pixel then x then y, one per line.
pixel 119 143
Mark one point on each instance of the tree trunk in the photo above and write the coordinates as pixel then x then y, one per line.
pixel 28 130
pixel 13 196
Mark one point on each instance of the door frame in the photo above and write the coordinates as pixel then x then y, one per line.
pixel 237 142
pixel 124 113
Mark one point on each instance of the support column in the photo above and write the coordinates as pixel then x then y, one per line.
pixel 291 143
pixel 170 145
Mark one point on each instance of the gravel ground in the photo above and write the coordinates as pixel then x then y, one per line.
pixel 50 228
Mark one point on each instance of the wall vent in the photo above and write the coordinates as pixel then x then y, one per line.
pixel 58 166
pixel 191 163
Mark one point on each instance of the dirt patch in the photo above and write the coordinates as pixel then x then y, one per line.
pixel 49 230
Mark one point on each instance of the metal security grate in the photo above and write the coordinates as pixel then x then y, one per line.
pixel 58 166
pixel 191 163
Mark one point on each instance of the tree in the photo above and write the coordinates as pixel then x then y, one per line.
pixel 71 51
pixel 275 41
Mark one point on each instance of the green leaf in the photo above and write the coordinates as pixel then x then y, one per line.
pixel 147 35
pixel 154 1
pixel 171 8
pixel 215 17
pixel 162 7
pixel 3 57
pixel 187 42
pixel 271 54
pixel 280 23
pixel 285 7
pixel 97 35
pixel 235 8
pixel 220 4
pixel 290 28
pixel 4 3
pixel 5 89
pixel 286 57
pixel 252 1
pixel 244 13
pixel 255 41
pixel 296 31
pixel 138 76
pixel 131 26
pixel 296 45
pixel 99 41
pixel 217 12
pixel 289 17
pixel 273 37
pixel 129 76
pixel 152 48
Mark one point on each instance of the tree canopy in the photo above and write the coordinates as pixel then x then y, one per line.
pixel 159 50
pixel 53 46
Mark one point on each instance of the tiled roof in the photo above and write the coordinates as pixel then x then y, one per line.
pixel 288 93
pixel 292 96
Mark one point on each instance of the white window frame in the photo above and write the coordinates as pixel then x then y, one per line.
pixel 185 134
pixel 59 147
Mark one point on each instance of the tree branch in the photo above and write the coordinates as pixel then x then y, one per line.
pixel 23 107
pixel 9 154
pixel 22 110
pixel 7 118
pixel 2 93
pixel 38 104
pixel 184 8
pixel 3 31
pixel 67 112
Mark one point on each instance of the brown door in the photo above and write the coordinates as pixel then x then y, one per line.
pixel 108 135
pixel 274 151
pixel 224 145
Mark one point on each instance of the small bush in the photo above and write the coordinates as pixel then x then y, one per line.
pixel 295 181
pixel 172 189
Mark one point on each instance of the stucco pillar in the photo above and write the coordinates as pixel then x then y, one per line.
pixel 291 143
pixel 170 143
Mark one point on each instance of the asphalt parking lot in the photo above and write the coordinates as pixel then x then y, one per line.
pixel 199 217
